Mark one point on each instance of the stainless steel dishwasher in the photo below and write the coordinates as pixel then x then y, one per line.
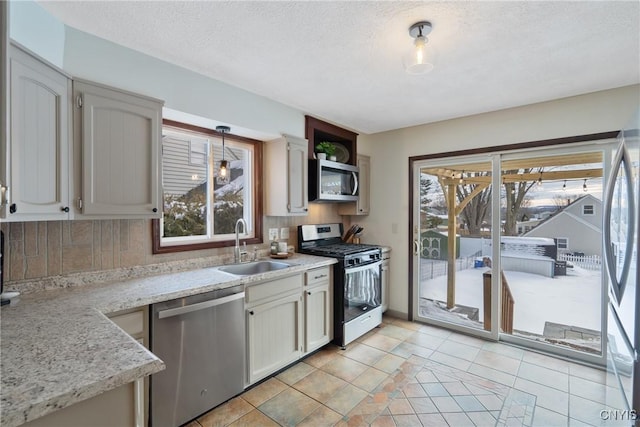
pixel 201 339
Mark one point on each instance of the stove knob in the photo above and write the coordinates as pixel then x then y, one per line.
pixel 349 262
pixel 358 260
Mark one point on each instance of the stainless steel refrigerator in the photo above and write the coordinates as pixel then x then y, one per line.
pixel 621 226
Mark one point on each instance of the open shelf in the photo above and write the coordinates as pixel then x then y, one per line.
pixel 317 131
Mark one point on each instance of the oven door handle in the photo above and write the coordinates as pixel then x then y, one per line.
pixel 349 270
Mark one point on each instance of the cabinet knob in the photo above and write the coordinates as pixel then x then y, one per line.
pixel 154 210
pixel 64 209
pixel 13 208
pixel 305 209
pixel 251 312
pixel 308 293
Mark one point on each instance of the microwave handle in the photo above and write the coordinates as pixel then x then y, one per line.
pixel 355 187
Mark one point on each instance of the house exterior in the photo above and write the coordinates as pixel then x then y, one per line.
pixel 576 228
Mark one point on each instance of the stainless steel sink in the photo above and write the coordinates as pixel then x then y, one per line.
pixel 255 267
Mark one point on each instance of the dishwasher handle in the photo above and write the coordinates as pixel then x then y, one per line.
pixel 199 306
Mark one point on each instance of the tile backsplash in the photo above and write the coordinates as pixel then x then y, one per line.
pixel 40 249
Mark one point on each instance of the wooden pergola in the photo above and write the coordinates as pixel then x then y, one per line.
pixel 453 175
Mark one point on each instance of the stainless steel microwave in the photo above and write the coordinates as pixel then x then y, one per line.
pixel 332 181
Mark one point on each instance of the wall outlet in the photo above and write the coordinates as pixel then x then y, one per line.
pixel 284 233
pixel 273 234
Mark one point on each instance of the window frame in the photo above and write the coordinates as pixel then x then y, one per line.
pixel 565 240
pixel 256 201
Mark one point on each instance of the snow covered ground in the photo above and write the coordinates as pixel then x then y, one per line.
pixel 574 299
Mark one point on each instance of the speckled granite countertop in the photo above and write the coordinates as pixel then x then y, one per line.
pixel 58 347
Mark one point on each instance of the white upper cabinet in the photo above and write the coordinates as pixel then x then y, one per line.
pixel 118 140
pixel 286 166
pixel 362 206
pixel 39 141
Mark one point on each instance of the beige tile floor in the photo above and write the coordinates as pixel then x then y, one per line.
pixel 409 374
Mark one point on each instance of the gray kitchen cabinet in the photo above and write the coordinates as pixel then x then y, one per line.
pixel 38 146
pixel 274 333
pixel 111 408
pixel 286 168
pixel 363 205
pixel 385 277
pixel 117 142
pixel 135 323
pixel 318 313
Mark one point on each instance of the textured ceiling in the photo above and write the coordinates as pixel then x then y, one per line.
pixel 342 60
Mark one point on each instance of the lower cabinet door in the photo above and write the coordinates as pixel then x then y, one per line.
pixel 274 335
pixel 317 316
pixel 112 408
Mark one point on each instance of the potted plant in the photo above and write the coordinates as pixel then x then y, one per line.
pixel 326 149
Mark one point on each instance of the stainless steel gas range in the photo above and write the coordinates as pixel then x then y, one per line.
pixel 357 287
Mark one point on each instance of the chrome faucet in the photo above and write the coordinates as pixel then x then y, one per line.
pixel 237 252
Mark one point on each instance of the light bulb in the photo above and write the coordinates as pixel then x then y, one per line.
pixel 420 50
pixel 564 186
pixel 584 186
pixel 420 59
pixel 223 168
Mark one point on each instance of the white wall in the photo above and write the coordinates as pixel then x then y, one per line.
pixel 390 151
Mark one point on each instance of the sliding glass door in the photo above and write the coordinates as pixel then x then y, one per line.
pixel 551 249
pixel 509 246
pixel 452 243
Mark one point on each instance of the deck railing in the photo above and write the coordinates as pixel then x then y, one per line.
pixel 506 301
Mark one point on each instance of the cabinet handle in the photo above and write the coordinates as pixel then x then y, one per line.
pixel 13 208
pixel 251 312
pixel 4 197
pixel 320 276
pixel 64 209
pixel 154 210
pixel 305 209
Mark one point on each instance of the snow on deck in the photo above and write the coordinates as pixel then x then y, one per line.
pixel 574 299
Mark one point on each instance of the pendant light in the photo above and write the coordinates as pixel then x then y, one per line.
pixel 584 186
pixel 223 170
pixel 420 59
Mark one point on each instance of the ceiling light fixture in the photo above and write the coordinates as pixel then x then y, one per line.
pixel 584 186
pixel 223 170
pixel 564 186
pixel 420 59
pixel 540 180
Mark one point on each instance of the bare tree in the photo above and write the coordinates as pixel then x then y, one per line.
pixel 514 194
pixel 477 211
pixel 560 201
